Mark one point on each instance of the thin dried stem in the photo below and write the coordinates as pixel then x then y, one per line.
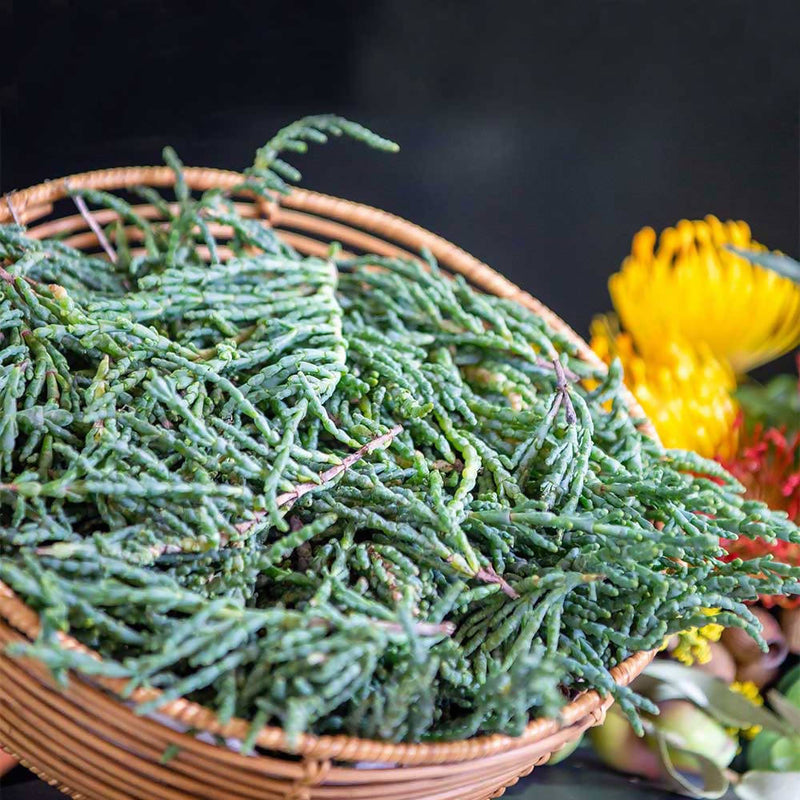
pixel 545 364
pixel 94 225
pixel 489 575
pixel 291 497
pixel 562 386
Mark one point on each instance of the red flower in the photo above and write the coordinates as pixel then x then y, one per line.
pixel 768 465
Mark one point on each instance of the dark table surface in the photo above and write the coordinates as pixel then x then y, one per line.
pixel 579 778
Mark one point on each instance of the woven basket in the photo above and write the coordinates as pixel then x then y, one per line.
pixel 90 744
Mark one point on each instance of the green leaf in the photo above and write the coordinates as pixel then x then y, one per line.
pixel 789 681
pixel 715 782
pixel 659 691
pixel 661 682
pixel 787 710
pixel 759 751
pixel 713 694
pixel 774 404
pixel 768 785
pixel 777 262
pixel 785 754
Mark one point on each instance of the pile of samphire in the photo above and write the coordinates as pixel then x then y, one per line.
pixel 342 495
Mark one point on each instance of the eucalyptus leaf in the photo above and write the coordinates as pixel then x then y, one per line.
pixel 713 694
pixel 784 265
pixel 659 691
pixel 667 680
pixel 768 786
pixel 788 710
pixel 715 782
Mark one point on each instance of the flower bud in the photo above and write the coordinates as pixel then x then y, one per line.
pixel 618 747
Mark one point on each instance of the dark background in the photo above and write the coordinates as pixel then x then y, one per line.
pixel 537 135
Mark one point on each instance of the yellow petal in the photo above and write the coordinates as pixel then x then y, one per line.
pixel 686 393
pixel 693 289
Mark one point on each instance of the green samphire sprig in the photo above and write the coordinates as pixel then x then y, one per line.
pixel 338 495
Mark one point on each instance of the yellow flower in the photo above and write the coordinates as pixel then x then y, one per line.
pixel 693 644
pixel 749 690
pixel 685 391
pixel 688 287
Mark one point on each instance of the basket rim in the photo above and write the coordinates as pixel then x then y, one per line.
pixel 35 201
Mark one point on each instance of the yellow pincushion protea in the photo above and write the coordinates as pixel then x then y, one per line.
pixel 685 391
pixel 689 287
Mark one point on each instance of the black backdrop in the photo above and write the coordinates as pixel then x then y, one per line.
pixel 538 135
